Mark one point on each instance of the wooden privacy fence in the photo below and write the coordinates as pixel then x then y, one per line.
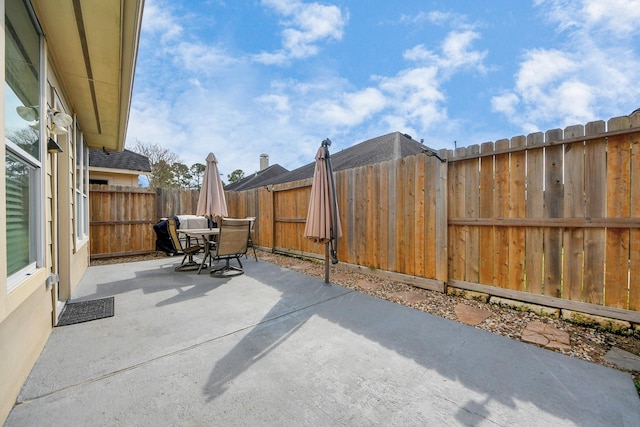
pixel 552 218
pixel 122 218
pixel 550 215
pixel 391 216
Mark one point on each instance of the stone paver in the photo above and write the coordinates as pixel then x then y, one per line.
pixel 409 296
pixel 547 336
pixel 471 315
pixel 623 359
pixel 369 286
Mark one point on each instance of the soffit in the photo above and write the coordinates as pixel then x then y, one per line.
pixel 93 47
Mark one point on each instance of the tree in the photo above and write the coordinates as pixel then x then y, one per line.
pixel 161 175
pixel 161 160
pixel 181 175
pixel 236 175
pixel 197 172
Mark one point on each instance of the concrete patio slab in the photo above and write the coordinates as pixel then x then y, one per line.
pixel 276 347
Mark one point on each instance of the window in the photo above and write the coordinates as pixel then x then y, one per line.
pixel 82 187
pixel 22 122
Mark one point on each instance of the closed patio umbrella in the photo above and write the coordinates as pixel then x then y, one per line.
pixel 323 220
pixel 211 201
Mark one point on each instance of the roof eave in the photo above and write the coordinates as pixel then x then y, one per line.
pixel 93 47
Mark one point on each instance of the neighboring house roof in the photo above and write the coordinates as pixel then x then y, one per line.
pixel 257 179
pixel 119 160
pixel 387 147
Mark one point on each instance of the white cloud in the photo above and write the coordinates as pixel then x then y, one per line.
pixel 589 76
pixel 505 104
pixel 158 20
pixel 458 53
pixel 351 109
pixel 412 100
pixel 436 17
pixel 543 67
pixel 306 25
pixel 271 58
pixel 617 18
pixel 420 53
pixel 200 58
pixel 279 103
pixel 416 98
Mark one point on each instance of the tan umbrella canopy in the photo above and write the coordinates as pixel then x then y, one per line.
pixel 211 201
pixel 323 220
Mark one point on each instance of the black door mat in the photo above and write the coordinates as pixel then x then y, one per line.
pixel 85 311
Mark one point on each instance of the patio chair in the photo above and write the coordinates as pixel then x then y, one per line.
pixel 232 243
pixel 250 241
pixel 189 250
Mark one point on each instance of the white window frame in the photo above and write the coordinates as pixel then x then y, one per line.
pixel 81 185
pixel 36 194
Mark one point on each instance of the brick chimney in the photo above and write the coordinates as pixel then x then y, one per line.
pixel 264 161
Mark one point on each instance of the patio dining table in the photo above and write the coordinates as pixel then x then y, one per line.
pixel 209 235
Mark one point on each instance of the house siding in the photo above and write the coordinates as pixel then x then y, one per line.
pixel 29 309
pixel 29 312
pixel 123 179
pixel 23 334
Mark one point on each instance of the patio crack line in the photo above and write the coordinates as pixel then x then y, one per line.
pixel 176 352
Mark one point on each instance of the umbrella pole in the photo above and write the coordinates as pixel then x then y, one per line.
pixel 333 234
pixel 326 263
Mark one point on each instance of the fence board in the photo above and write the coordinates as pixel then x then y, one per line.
pixel 534 256
pixel 554 205
pixel 573 238
pixel 383 217
pixel 373 190
pixel 394 200
pixel 472 210
pixel 617 239
pixel 440 218
pixel 401 224
pixel 421 216
pixel 501 210
pixel 457 234
pixel 595 207
pixel 352 237
pixel 361 217
pixel 486 211
pixel 634 244
pixel 409 214
pixel 517 209
pixel 264 230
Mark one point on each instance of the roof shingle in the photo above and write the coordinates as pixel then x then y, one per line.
pixel 119 160
pixel 256 179
pixel 392 146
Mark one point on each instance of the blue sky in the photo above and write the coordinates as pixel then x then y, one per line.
pixel 244 77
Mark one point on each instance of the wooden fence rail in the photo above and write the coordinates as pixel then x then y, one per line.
pixel 551 218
